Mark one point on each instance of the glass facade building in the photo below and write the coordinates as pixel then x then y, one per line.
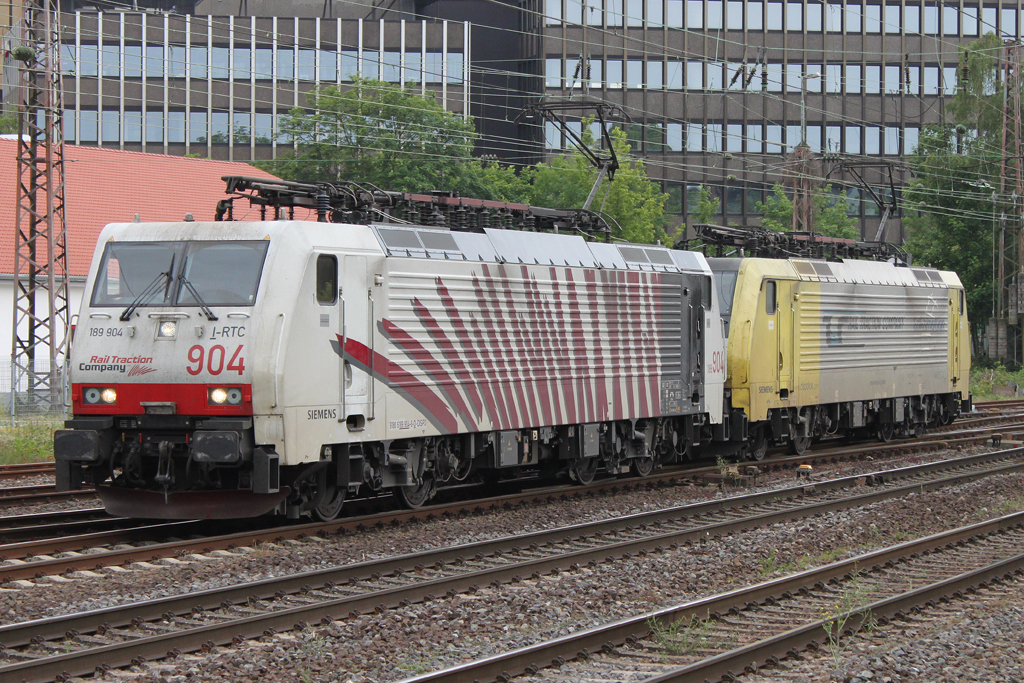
pixel 713 87
pixel 223 87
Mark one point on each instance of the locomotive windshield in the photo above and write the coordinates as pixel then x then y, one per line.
pixel 221 273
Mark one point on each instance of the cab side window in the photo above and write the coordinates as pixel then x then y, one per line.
pixel 961 302
pixel 326 279
pixel 769 298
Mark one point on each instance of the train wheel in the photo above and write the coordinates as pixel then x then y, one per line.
pixel 642 467
pixel 798 445
pixel 759 446
pixel 412 497
pixel 884 432
pixel 329 509
pixel 583 471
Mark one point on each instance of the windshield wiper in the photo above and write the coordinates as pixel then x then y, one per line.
pixel 151 289
pixel 199 300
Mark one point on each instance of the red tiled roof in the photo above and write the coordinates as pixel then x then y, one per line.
pixel 104 186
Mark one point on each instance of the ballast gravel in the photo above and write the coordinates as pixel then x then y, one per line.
pixel 422 637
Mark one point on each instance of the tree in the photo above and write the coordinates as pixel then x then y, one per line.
pixel 387 135
pixel 828 213
pixel 706 207
pixel 949 210
pixel 954 193
pixel 635 203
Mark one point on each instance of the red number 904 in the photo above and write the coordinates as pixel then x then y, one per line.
pixel 214 360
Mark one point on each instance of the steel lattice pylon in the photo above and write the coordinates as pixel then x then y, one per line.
pixel 40 261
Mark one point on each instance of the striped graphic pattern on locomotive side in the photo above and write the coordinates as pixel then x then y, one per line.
pixel 513 346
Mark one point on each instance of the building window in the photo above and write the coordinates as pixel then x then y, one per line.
pixel 833 78
pixel 634 73
pixel 674 76
pixel 872 140
pixel 773 17
pixel 872 18
pixel 852 145
pixel 716 71
pixel 892 19
pixel 753 199
pixel 714 137
pixel 133 126
pixel 715 18
pixel 350 64
pixel 969 21
pixel 912 19
pixel 755 137
pixel 573 12
pixel 263 128
pixel 674 137
pixel 694 13
pixel 695 75
pixel 734 137
pixel 949 20
pixel 655 74
pixel 948 80
pixel 89 62
pixel 1008 22
pixel 674 202
pixel 654 18
pixel 853 18
pixel 853 80
pixel 755 16
pixel 307 66
pixel 734 17
pixel 175 127
pixel 892 140
pixel 655 135
pixel 614 67
pixel 88 125
pixel 773 138
pixel 553 73
pixel 694 137
pixel 219 127
pixel 634 13
pixel 197 126
pixel 833 138
pixel 155 127
pixel 931 20
pixel 329 66
pixel 553 12
pixel 872 79
pixel 675 14
pixel 893 78
pixel 794 16
pixel 110 126
pixel 813 17
pixel 286 64
pixel 220 62
pixel 133 61
pixel 910 139
pixel 734 200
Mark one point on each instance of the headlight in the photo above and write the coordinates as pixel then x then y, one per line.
pixel 168 329
pixel 219 396
pixel 100 395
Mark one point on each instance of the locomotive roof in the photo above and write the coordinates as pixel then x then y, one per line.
pixel 856 271
pixel 513 246
pixel 491 245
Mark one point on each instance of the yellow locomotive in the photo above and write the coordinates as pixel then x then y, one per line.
pixel 821 347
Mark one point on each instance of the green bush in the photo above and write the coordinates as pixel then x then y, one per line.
pixel 28 440
pixel 996 382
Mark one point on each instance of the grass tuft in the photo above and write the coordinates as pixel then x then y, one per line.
pixel 28 440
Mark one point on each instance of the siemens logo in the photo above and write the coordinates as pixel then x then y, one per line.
pixel 322 414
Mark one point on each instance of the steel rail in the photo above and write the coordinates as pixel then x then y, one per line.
pixel 156 646
pixel 25 469
pixel 568 647
pixel 62 565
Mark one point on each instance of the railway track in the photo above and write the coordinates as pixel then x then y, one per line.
pixel 46 547
pixel 76 644
pixel 26 469
pixel 724 635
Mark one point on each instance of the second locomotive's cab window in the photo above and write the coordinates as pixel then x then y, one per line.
pixel 326 279
pixel 769 298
